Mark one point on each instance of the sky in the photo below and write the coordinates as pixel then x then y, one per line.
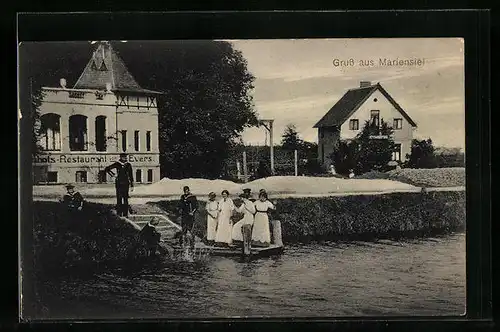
pixel 297 82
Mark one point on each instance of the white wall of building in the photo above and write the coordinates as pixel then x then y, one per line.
pixel 377 101
pixel 66 163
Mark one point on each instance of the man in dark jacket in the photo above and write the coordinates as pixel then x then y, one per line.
pixel 188 205
pixel 123 181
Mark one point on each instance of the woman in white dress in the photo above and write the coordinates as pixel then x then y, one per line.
pixel 261 234
pixel 224 225
pixel 212 208
pixel 247 207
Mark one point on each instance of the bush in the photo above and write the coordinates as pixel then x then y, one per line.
pixel 373 175
pixel 61 242
pixel 432 177
pixel 371 216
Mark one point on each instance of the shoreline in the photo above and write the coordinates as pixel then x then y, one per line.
pixel 138 199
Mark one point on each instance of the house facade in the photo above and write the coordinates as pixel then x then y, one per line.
pixel 345 120
pixel 85 128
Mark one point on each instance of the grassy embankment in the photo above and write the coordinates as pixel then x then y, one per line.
pixel 432 177
pixel 99 239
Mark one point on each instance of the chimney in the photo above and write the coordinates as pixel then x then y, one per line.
pixel 108 87
pixel 364 84
pixel 62 82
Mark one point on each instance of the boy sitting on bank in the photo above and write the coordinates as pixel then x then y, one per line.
pixel 72 200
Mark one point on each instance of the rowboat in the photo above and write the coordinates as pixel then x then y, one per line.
pixel 169 232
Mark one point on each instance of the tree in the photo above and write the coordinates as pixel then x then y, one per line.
pixel 290 138
pixel 36 102
pixel 343 157
pixel 371 149
pixel 422 154
pixel 206 102
pixel 375 148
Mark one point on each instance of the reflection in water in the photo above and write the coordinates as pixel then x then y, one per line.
pixel 408 278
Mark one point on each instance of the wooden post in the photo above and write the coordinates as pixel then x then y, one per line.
pixel 277 233
pixel 238 169
pixel 246 231
pixel 271 145
pixel 296 157
pixel 245 169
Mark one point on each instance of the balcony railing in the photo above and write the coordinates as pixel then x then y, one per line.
pixel 76 94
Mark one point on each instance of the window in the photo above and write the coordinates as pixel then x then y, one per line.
pixel 102 177
pixel 375 118
pixel 52 177
pixel 398 124
pixel 138 175
pixel 136 140
pixel 396 154
pixel 81 176
pixel 148 141
pixel 124 140
pixel 150 175
pixel 78 133
pixel 354 124
pixel 50 129
pixel 100 133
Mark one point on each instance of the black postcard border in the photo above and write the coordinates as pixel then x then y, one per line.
pixel 472 25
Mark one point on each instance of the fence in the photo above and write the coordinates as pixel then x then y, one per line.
pixel 246 168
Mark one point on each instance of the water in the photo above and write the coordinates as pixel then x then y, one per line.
pixel 410 278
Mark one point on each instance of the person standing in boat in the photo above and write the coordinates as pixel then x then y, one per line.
pixel 248 193
pixel 224 225
pixel 188 206
pixel 261 233
pixel 124 181
pixel 212 208
pixel 247 207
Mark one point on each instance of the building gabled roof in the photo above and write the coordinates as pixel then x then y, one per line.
pixel 351 101
pixel 106 66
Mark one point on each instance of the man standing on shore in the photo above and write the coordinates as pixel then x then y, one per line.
pixel 188 206
pixel 123 182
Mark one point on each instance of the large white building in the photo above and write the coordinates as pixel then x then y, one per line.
pixel 85 128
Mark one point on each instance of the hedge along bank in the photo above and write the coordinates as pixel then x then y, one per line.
pixel 364 217
pixel 99 238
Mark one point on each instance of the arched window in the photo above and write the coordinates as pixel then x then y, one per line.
pixel 78 133
pixel 50 132
pixel 100 133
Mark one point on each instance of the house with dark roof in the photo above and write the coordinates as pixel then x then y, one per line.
pixel 85 128
pixel 345 120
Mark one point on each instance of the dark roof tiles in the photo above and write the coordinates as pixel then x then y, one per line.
pixel 351 101
pixel 104 67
